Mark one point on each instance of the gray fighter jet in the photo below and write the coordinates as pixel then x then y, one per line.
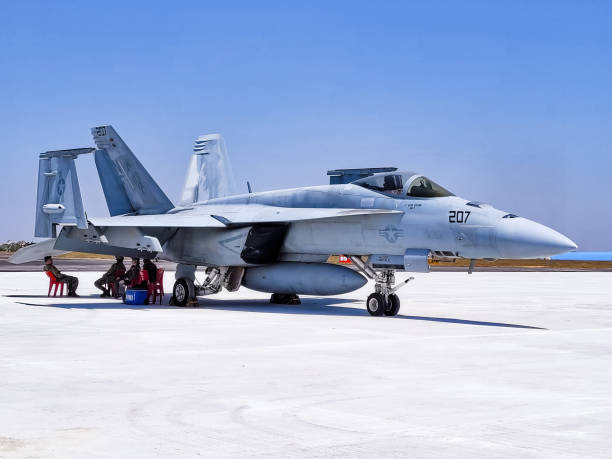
pixel 274 241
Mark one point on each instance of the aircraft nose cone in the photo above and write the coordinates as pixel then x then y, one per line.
pixel 523 238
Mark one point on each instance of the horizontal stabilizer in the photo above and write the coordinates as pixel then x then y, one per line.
pixel 35 252
pixel 119 242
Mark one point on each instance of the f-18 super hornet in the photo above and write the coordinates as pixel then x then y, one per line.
pixel 273 241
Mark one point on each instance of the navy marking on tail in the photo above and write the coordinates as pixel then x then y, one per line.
pixel 128 187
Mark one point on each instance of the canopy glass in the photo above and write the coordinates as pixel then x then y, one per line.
pixel 403 184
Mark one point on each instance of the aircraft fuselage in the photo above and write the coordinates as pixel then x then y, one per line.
pixel 451 226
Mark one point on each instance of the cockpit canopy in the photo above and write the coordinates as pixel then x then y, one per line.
pixel 403 185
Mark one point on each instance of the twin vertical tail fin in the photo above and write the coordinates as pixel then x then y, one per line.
pixel 58 199
pixel 128 187
pixel 210 173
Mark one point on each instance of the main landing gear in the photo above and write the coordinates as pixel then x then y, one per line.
pixel 285 298
pixel 183 292
pixel 384 300
pixel 187 289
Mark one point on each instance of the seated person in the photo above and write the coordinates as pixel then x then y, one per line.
pixel 132 276
pixel 151 269
pixel 71 281
pixel 112 276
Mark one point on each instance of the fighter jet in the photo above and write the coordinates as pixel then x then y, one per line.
pixel 274 241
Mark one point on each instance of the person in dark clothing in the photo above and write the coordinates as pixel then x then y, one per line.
pixel 71 281
pixel 131 279
pixel 112 276
pixel 151 269
pixel 132 276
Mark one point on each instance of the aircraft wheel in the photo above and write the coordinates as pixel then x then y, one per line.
pixel 376 304
pixel 393 305
pixel 282 298
pixel 183 291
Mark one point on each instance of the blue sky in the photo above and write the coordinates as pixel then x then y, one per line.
pixel 504 102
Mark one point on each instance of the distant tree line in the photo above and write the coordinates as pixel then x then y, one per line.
pixel 13 246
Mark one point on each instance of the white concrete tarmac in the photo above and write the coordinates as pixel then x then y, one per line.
pixel 488 365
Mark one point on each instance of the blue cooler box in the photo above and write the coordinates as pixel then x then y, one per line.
pixel 135 296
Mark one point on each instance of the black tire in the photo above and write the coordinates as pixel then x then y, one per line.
pixel 376 304
pixel 284 298
pixel 393 305
pixel 182 292
pixel 275 298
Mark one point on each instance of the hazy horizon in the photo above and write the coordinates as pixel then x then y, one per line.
pixel 508 103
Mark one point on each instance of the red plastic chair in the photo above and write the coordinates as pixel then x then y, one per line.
pixel 144 278
pixel 157 287
pixel 153 288
pixel 110 286
pixel 53 281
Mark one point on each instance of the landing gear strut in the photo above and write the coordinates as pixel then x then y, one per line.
pixel 384 300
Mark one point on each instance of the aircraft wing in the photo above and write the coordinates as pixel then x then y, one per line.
pixel 247 215
pixel 232 215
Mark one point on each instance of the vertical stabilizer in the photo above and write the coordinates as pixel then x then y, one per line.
pixel 127 186
pixel 210 173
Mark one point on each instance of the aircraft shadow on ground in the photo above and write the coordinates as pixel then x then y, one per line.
pixel 321 306
pixel 309 306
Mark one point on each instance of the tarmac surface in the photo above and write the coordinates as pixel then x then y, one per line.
pixel 489 365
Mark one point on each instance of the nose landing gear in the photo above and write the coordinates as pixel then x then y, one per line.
pixel 384 300
pixel 378 305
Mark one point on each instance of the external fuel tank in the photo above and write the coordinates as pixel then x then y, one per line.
pixel 303 279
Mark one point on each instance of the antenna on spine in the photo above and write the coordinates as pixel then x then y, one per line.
pixel 249 187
